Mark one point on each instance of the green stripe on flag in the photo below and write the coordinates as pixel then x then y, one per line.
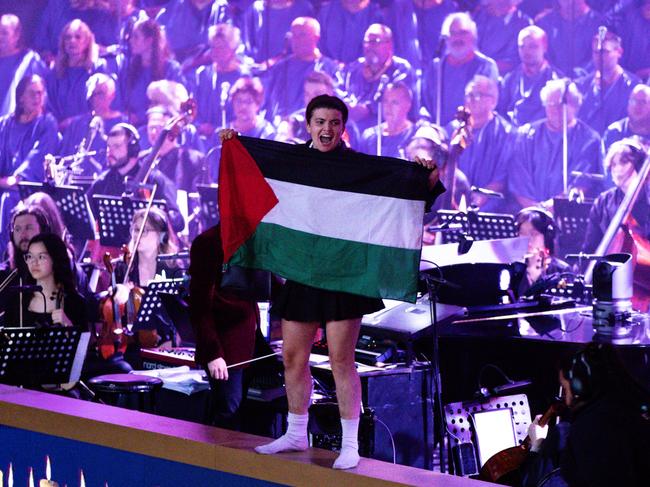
pixel 334 264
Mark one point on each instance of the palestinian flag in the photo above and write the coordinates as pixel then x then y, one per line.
pixel 341 220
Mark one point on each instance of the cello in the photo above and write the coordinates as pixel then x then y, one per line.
pixel 623 234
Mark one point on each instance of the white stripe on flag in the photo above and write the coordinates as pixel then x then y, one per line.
pixel 378 220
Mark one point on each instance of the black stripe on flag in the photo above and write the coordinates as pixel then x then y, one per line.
pixel 341 170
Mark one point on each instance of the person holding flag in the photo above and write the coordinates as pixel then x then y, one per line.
pixel 303 308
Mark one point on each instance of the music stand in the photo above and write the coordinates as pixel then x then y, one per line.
pixel 208 195
pixel 36 356
pixel 479 226
pixel 572 219
pixel 114 215
pixel 73 204
pixel 151 309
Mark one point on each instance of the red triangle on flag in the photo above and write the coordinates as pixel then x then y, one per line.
pixel 244 196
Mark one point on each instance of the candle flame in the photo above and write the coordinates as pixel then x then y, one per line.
pixel 82 479
pixel 10 476
pixel 31 477
pixel 48 468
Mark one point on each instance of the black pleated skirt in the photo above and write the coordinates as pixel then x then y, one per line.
pixel 297 302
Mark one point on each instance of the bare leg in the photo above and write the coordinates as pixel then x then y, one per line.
pixel 342 338
pixel 297 341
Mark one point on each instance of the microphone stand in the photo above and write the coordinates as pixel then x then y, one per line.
pixel 565 139
pixel 439 90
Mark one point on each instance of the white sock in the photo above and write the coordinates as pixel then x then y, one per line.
pixel 349 456
pixel 295 439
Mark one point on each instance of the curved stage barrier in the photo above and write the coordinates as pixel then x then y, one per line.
pixel 96 445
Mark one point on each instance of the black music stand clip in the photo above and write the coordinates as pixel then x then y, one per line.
pixel 35 356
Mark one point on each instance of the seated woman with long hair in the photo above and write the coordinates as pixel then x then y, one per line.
pixel 58 303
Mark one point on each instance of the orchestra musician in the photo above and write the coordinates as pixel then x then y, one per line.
pixel 122 150
pixel 539 226
pixel 57 302
pixel 303 309
pixel 604 439
pixel 224 324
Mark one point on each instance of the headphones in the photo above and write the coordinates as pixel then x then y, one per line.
pixel 579 376
pixel 544 223
pixel 133 148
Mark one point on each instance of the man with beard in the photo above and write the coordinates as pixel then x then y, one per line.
pixel 461 62
pixel 122 149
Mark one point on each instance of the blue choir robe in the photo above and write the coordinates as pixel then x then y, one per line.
pixel 262 130
pixel 361 91
pixel 614 100
pixel 485 160
pixel 400 16
pixel 635 37
pixel 620 130
pixel 391 145
pixel 205 85
pixel 342 31
pixel 23 147
pixel 186 27
pixel 454 80
pixel 284 92
pixel 265 30
pixel 429 25
pixel 536 163
pixel 519 98
pixel 66 95
pixel 569 44
pixel 497 36
pixel 78 130
pixel 133 96
pixel 58 13
pixel 12 69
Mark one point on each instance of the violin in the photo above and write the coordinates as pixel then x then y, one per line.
pixel 460 139
pixel 171 131
pixel 502 467
pixel 112 338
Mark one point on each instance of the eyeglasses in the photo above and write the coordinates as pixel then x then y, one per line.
pixel 375 40
pixel 29 258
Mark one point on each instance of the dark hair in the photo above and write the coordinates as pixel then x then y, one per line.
pixel 326 101
pixel 542 221
pixel 62 267
pixel 15 254
pixel 597 370
pixel 318 77
pixel 22 86
pixel 246 84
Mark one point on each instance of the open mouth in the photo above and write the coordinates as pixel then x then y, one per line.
pixel 326 139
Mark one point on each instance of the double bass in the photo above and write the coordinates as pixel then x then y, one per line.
pixel 460 139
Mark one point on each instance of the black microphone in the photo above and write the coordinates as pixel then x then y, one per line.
pixel 383 81
pixel 515 384
pixel 442 44
pixel 602 32
pixel 35 288
pixel 486 192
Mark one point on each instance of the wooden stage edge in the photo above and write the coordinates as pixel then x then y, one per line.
pixel 196 444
